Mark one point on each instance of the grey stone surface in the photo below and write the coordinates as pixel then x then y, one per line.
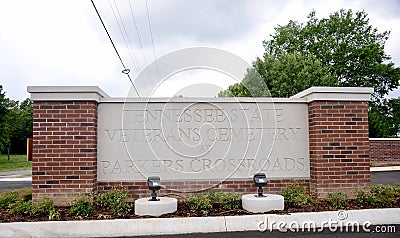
pixel 16 173
pixel 144 207
pixel 335 94
pixel 213 139
pixel 269 202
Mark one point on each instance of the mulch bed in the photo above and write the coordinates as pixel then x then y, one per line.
pixel 184 210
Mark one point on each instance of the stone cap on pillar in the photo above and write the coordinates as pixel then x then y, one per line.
pixel 66 93
pixel 335 94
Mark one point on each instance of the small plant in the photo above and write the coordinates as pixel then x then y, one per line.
pixel 214 200
pixel 82 206
pixel 46 207
pixel 229 201
pixel 296 196
pixel 201 202
pixel 337 200
pixel 7 198
pixel 116 201
pixel 22 207
pixel 54 214
pixel 378 196
pixel 20 201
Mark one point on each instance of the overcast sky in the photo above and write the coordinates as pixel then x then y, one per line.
pixel 49 42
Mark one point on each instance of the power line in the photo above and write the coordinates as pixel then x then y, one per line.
pixel 137 31
pixel 152 41
pixel 127 39
pixel 125 71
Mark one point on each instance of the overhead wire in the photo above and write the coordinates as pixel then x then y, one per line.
pixel 124 34
pixel 125 70
pixel 152 40
pixel 137 32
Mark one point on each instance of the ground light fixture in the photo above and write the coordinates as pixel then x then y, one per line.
pixel 261 181
pixel 154 185
pixel 261 203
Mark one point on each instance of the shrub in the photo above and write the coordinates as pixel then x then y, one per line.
pixel 46 207
pixel 364 198
pixel 24 194
pixel 229 201
pixel 378 196
pixel 7 198
pixel 296 196
pixel 337 200
pixel 82 206
pixel 22 207
pixel 201 202
pixel 18 201
pixel 214 200
pixel 116 201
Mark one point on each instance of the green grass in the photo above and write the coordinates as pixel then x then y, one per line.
pixel 16 162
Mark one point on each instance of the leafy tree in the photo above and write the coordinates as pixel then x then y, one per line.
pixel 3 114
pixel 281 77
pixel 384 119
pixel 341 50
pixel 16 124
pixel 10 125
pixel 347 44
pixel 251 86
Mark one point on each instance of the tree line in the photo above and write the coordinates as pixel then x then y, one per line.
pixel 342 50
pixel 16 124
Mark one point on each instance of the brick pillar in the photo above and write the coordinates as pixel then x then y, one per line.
pixel 64 163
pixel 339 146
pixel 338 139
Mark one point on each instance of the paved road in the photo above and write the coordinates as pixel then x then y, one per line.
pixel 386 177
pixel 11 185
pixel 14 180
pixel 324 233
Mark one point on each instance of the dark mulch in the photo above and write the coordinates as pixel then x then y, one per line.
pixel 184 210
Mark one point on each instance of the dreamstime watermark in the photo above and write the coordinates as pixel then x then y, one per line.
pixel 338 224
pixel 193 139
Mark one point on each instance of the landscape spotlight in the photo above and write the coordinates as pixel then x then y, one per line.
pixel 261 181
pixel 154 185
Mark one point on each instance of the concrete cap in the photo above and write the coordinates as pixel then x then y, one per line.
pixel 335 94
pixel 66 93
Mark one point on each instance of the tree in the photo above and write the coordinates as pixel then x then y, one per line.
pixel 347 44
pixel 251 86
pixel 16 124
pixel 344 49
pixel 3 113
pixel 384 119
pixel 281 77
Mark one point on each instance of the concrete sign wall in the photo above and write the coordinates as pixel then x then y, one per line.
pixel 207 140
pixel 85 140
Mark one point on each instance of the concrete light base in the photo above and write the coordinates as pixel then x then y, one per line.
pixel 254 204
pixel 144 207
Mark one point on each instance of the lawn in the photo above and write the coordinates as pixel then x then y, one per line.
pixel 16 162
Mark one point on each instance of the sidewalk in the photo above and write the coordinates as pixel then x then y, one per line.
pixel 18 175
pixel 311 222
pixel 386 168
